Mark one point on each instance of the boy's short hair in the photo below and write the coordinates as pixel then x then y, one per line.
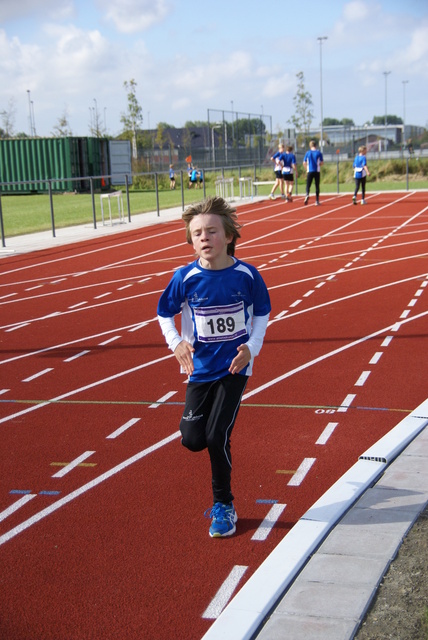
pixel 289 148
pixel 219 207
pixel 362 149
pixel 313 143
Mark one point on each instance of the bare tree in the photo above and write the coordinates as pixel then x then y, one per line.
pixel 62 128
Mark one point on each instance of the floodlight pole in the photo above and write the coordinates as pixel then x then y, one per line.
pixel 386 74
pixel 404 109
pixel 320 39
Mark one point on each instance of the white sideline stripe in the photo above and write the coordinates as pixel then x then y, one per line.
pixel 164 398
pixel 225 592
pixel 377 356
pixel 73 464
pixel 387 341
pixel 37 375
pixel 327 433
pixel 16 505
pixel 86 487
pixel 362 379
pixel 346 403
pixel 123 428
pixel 269 522
pixel 301 472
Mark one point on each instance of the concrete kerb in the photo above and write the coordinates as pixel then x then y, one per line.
pixel 243 616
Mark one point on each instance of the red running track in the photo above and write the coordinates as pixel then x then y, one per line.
pixel 102 533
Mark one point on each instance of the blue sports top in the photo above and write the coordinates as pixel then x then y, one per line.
pixel 359 165
pixel 217 309
pixel 314 159
pixel 289 160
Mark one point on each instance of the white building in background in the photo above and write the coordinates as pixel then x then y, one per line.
pixel 370 135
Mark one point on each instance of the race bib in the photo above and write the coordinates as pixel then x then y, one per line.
pixel 218 324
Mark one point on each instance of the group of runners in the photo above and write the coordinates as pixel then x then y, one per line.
pixel 285 168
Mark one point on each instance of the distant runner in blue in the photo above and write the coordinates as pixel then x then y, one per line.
pixel 288 171
pixel 224 305
pixel 360 173
pixel 312 162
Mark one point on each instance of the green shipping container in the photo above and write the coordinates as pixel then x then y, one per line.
pixel 68 162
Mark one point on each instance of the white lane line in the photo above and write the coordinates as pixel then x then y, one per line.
pixel 86 487
pixel 376 357
pixel 79 304
pixel 387 341
pixel 16 505
pixel 102 344
pixel 18 326
pixel 418 293
pixel 326 356
pixel 269 522
pixel 327 433
pixel 308 293
pixel 2 391
pixel 123 428
pixel 36 407
pixel 164 398
pixel 295 303
pixel 102 295
pixel 73 464
pixel 37 375
pixel 405 313
pixel 346 403
pixel 8 295
pixel 301 472
pixel 362 379
pixel 126 286
pixel 225 593
pixel 412 302
pixel 78 355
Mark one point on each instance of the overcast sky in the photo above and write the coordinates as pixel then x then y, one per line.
pixel 188 57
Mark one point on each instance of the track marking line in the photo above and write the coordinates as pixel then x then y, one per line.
pixel 376 357
pixel 37 375
pixel 16 505
pixel 79 304
pixel 346 403
pixel 78 355
pixel 225 593
pixel 123 428
pixel 301 472
pixel 387 341
pixel 73 464
pixel 405 313
pixel 287 472
pixel 328 431
pixel 162 400
pixel 103 344
pixel 269 522
pixel 362 379
pixel 86 487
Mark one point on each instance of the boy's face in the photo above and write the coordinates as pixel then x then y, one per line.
pixel 209 240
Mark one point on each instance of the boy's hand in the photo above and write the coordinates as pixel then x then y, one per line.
pixel 183 353
pixel 241 360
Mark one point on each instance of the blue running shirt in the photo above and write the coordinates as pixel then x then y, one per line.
pixel 217 307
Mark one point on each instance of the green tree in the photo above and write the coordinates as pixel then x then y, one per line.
pixel 132 120
pixel 380 120
pixel 302 101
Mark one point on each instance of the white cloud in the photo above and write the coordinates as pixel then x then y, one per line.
pixel 133 16
pixel 275 86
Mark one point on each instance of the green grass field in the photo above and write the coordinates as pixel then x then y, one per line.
pixel 24 214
